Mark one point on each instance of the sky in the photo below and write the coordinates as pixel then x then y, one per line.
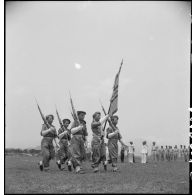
pixel 56 47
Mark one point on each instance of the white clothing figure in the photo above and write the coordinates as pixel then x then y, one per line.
pixel 144 152
pixel 131 153
pixel 154 151
pixel 107 154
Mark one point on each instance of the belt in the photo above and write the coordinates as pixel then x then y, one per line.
pixel 96 136
pixel 78 135
pixel 64 139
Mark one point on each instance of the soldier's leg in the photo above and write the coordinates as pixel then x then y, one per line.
pixel 103 156
pixel 69 161
pixel 95 155
pixel 59 154
pixel 114 164
pixel 76 154
pixel 46 155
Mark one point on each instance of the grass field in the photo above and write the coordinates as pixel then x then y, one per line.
pixel 23 176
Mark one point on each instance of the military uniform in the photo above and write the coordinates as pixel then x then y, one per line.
pixel 131 153
pixel 181 152
pixel 77 148
pixel 162 154
pixel 113 146
pixel 167 154
pixel 175 153
pixel 186 154
pixel 47 147
pixel 154 152
pixel 144 153
pixel 122 154
pixel 63 153
pixel 171 152
pixel 97 144
pixel 157 153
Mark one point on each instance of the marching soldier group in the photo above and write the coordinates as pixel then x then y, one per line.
pixel 71 149
pixel 73 142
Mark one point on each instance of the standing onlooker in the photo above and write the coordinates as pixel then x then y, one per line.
pixel 157 153
pixel 181 152
pixel 131 153
pixel 171 153
pixel 144 152
pixel 167 153
pixel 122 154
pixel 175 152
pixel 162 153
pixel 186 153
pixel 153 151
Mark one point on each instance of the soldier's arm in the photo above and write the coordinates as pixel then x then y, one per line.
pixel 120 140
pixel 95 124
pixel 75 129
pixel 61 134
pixel 122 143
pixel 103 119
pixel 57 145
pixel 85 134
pixel 45 131
pixel 111 134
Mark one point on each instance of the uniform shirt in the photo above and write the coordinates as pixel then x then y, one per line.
pixel 96 128
pixel 83 131
pixel 131 149
pixel 111 130
pixel 50 134
pixel 175 150
pixel 67 135
pixel 162 150
pixel 153 148
pixel 185 151
pixel 144 149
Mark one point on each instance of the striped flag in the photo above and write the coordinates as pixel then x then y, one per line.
pixel 114 99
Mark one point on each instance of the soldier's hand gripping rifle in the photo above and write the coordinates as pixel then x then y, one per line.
pixel 60 121
pixel 109 121
pixel 45 121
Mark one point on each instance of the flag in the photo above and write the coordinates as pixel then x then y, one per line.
pixel 114 99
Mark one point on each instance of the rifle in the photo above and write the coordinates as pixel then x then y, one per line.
pixel 42 116
pixel 60 121
pixel 110 123
pixel 74 113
